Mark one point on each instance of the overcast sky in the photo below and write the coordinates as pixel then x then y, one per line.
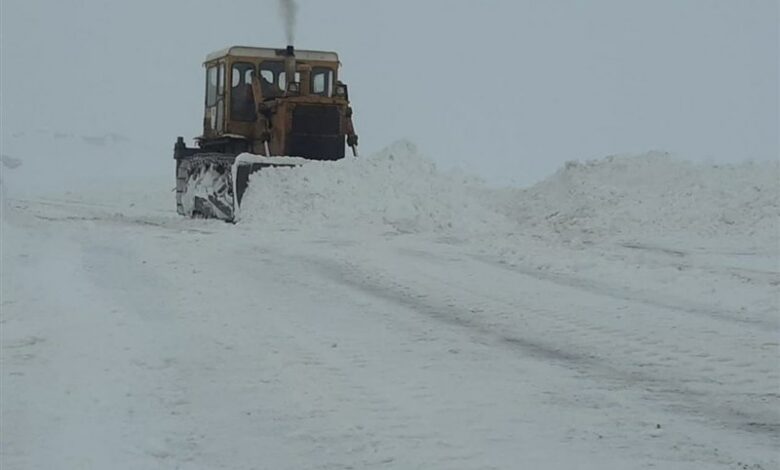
pixel 508 89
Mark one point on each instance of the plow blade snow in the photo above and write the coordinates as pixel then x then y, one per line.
pixel 213 185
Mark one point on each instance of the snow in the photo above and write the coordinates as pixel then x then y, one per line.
pixel 248 158
pixel 655 196
pixel 396 189
pixel 620 197
pixel 381 313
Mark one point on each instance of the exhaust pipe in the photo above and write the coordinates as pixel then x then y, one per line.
pixel 289 65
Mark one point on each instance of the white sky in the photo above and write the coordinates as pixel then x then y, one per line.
pixel 507 89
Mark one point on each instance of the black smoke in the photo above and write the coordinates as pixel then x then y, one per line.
pixel 288 9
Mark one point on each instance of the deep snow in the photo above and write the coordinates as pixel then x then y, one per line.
pixel 623 313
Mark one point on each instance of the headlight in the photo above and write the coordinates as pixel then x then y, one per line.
pixel 341 90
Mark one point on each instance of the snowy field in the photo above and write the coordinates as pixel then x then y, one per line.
pixel 380 313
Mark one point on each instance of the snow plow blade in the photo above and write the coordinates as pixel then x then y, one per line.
pixel 212 185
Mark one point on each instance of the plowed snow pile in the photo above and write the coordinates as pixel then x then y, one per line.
pixel 649 196
pixel 654 196
pixel 395 189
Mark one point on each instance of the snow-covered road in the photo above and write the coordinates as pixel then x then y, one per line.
pixel 136 339
pixel 379 313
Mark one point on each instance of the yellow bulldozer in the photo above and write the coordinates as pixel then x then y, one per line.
pixel 261 104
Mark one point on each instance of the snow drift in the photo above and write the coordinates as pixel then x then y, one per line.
pixel 395 189
pixel 619 197
pixel 653 195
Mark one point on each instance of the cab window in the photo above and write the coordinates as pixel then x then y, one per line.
pixel 242 100
pixel 211 86
pixel 270 73
pixel 283 79
pixel 322 81
pixel 221 80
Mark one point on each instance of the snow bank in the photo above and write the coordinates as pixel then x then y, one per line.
pixel 650 196
pixel 396 189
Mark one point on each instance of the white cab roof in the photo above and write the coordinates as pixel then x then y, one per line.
pixel 269 53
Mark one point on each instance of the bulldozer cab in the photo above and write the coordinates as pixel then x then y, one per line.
pixel 289 99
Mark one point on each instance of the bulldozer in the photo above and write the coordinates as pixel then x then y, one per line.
pixel 264 107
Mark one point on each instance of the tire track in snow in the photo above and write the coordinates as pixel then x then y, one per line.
pixel 373 401
pixel 595 287
pixel 674 392
pixel 76 212
pixel 666 321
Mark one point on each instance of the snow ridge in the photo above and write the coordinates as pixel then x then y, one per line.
pixel 654 195
pixel 615 198
pixel 396 189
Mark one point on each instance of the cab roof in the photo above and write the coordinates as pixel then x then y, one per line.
pixel 270 53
